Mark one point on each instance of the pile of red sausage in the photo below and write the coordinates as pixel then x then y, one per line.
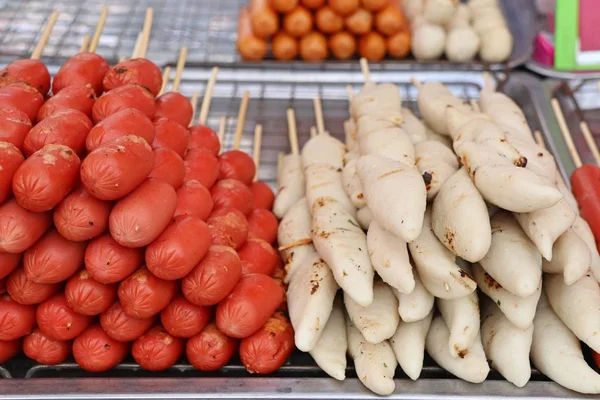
pixel 124 232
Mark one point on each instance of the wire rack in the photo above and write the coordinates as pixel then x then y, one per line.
pixel 579 101
pixel 207 27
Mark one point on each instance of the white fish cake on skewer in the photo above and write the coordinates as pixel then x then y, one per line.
pixel 377 100
pixel 291 187
pixel 513 260
pixel 364 217
pixel 437 267
pixel 462 319
pixel 323 180
pixel 506 346
pixel 577 305
pixel 413 126
pixel 351 183
pixel 389 256
pixel 378 321
pixel 408 344
pixel 556 353
pixel 571 257
pixel 340 241
pixel 391 143
pixel 324 149
pixel 294 237
pixel 416 305
pixel 460 219
pixel 310 296
pixel 519 310
pixel 395 194
pixel 351 136
pixel 375 363
pixel 582 228
pixel 330 350
pixel 473 367
pixel 436 163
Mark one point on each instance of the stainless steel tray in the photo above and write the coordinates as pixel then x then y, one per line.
pixel 207 27
pixel 273 91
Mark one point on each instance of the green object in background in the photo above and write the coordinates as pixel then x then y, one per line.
pixel 567 40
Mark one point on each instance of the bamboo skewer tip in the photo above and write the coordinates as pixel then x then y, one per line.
pixel 165 79
pixel 566 133
pixel 43 41
pixel 221 131
pixel 591 142
pixel 99 28
pixel 364 67
pixel 207 98
pixel 292 131
pixel 258 129
pixel 85 43
pixel 319 115
pixel 179 70
pixel 237 141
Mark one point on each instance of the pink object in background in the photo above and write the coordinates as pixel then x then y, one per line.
pixel 589 25
pixel 543 49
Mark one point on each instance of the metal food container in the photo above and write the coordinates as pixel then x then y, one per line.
pixel 272 92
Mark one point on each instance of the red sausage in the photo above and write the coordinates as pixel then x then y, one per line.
pixel 26 291
pixel 81 216
pixel 80 98
pixel 122 327
pixel 141 216
pixel 45 178
pixel 170 134
pixel 66 127
pixel 585 182
pixel 179 248
pixel 213 278
pixel 249 306
pixel 56 319
pixel 121 98
pixel 238 165
pixel 143 295
pixel 14 126
pixel 53 258
pixel 30 71
pixel 87 296
pixel 157 350
pixel 16 320
pixel 20 228
pixel 44 350
pixel 122 123
pixel 8 263
pixel 138 70
pixel 202 137
pixel 168 167
pixel 2 286
pixel 23 97
pixel 194 199
pixel 80 70
pixel 262 258
pixel 210 350
pixel 228 227
pixel 176 107
pixel 184 319
pixel 95 351
pixel 9 349
pixel 262 195
pixel 201 166
pixel 117 168
pixel 109 262
pixel 266 350
pixel 11 159
pixel 230 193
pixel 263 224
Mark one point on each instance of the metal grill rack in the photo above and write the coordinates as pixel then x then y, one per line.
pixel 207 27
pixel 579 101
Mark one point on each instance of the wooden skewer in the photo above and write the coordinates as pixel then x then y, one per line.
pixel 165 79
pixel 85 43
pixel 179 71
pixel 241 120
pixel 146 32
pixel 313 131
pixel 539 139
pixel 350 92
pixel 280 156
pixel 319 115
pixel 296 243
pixel 256 150
pixel 194 103
pixel 138 45
pixel 488 83
pixel 99 29
pixel 416 82
pixel 566 133
pixel 589 139
pixel 206 100
pixel 364 67
pixel 221 131
pixel 41 44
pixel 293 131
pixel 122 59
